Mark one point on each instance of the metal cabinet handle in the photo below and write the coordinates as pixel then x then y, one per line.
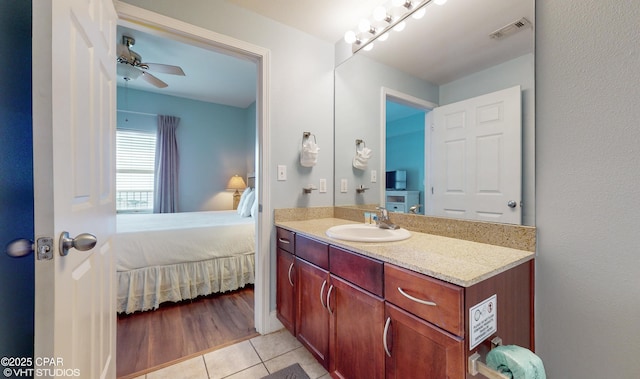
pixel 82 242
pixel 384 337
pixel 328 299
pixel 322 293
pixel 289 274
pixel 425 302
pixel 283 240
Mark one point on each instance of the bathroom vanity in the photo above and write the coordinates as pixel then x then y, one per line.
pixel 417 308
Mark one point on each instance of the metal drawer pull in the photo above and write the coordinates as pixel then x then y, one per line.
pixel 289 274
pixel 283 240
pixel 384 337
pixel 425 302
pixel 328 299
pixel 322 293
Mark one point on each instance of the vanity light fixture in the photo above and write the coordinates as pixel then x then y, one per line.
pixel 386 18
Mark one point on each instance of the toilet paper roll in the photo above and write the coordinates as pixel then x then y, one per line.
pixel 516 362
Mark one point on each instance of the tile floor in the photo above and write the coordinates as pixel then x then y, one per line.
pixel 251 359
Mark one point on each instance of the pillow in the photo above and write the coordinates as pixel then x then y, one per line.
pixel 243 198
pixel 254 208
pixel 248 203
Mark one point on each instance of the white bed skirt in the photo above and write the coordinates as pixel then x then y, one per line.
pixel 146 288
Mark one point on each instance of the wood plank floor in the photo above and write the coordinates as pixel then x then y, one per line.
pixel 150 340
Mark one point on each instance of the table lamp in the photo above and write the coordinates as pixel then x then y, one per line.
pixel 236 183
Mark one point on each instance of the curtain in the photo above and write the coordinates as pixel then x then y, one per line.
pixel 166 176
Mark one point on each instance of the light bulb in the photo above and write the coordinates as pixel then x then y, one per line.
pixel 380 13
pixel 400 26
pixel 440 2
pixel 364 25
pixel 368 47
pixel 384 37
pixel 419 13
pixel 350 36
pixel 397 3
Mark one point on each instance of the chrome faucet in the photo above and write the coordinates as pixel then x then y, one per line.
pixel 383 220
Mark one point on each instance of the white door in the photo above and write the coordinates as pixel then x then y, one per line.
pixel 74 86
pixel 476 158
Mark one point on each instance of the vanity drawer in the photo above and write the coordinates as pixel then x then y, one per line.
pixel 358 269
pixel 313 251
pixel 397 207
pixel 446 300
pixel 286 240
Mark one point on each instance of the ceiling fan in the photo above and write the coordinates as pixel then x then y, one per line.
pixel 131 66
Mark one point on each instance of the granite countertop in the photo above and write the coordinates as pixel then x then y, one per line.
pixel 460 262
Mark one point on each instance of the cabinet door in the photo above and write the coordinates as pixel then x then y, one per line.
pixel 419 349
pixel 356 329
pixel 285 290
pixel 312 320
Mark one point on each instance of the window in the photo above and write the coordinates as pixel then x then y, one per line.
pixel 135 161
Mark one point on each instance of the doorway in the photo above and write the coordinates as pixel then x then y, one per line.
pixel 162 26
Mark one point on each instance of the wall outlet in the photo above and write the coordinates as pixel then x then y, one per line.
pixel 323 186
pixel 282 172
pixel 374 176
pixel 343 185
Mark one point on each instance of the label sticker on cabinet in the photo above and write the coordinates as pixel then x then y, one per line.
pixel 483 321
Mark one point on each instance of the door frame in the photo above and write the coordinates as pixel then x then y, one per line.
pixel 415 102
pixel 139 18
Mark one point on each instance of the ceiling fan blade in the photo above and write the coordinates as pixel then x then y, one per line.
pixel 163 68
pixel 153 80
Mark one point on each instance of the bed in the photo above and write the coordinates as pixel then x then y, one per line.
pixel 178 256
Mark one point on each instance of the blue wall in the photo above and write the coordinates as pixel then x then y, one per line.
pixel 215 142
pixel 405 150
pixel 16 179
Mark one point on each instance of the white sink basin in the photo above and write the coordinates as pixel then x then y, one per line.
pixel 366 233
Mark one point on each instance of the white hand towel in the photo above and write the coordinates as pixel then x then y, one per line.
pixel 361 159
pixel 309 154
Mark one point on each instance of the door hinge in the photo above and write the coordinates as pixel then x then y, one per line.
pixel 44 248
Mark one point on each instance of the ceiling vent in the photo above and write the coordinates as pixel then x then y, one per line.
pixel 510 29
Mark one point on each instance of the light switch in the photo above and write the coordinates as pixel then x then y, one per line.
pixel 343 185
pixel 282 172
pixel 323 186
pixel 374 176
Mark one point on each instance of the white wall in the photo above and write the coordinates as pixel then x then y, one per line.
pixel 588 188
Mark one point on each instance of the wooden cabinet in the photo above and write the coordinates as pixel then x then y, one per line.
pixel 312 317
pixel 285 290
pixel 312 320
pixel 357 315
pixel 346 304
pixel 357 321
pixel 285 279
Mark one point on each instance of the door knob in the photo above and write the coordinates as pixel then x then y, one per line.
pixel 82 242
pixel 512 203
pixel 19 248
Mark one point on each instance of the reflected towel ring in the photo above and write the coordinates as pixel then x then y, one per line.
pixel 306 135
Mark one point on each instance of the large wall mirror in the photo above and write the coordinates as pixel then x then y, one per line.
pixel 441 72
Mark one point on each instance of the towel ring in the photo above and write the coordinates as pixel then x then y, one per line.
pixel 360 142
pixel 306 135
